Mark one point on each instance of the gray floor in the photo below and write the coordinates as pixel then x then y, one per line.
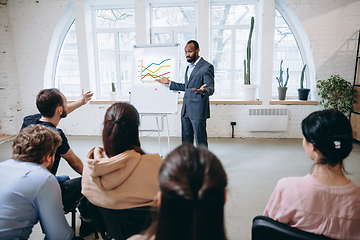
pixel 253 167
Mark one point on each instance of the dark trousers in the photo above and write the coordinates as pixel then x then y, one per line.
pixel 71 194
pixel 191 127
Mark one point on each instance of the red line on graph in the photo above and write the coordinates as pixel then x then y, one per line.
pixel 154 76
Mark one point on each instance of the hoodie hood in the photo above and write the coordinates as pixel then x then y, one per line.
pixel 109 173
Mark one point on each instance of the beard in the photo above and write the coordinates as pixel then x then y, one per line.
pixel 64 114
pixel 192 59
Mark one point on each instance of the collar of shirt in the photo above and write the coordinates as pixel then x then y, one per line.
pixel 191 67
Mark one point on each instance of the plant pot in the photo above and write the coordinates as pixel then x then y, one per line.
pixel 282 93
pixel 248 92
pixel 112 96
pixel 303 93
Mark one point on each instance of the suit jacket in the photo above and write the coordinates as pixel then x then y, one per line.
pixel 196 105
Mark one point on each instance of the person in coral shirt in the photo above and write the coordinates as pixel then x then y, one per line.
pixel 325 201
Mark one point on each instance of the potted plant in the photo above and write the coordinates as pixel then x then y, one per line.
pixel 113 92
pixel 303 92
pixel 248 88
pixel 337 93
pixel 282 86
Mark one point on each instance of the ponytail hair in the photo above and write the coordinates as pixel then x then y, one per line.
pixel 330 132
pixel 121 129
pixel 192 183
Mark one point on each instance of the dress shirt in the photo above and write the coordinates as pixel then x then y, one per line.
pixel 29 193
pixel 191 67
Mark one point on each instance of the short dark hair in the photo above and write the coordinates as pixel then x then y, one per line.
pixel 196 44
pixel 192 183
pixel 121 129
pixel 34 142
pixel 330 132
pixel 48 100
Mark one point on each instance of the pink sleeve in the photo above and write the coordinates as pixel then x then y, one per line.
pixel 275 208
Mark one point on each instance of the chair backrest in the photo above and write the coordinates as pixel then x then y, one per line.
pixel 120 224
pixel 266 228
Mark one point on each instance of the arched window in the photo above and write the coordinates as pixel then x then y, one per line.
pixel 66 74
pixel 287 50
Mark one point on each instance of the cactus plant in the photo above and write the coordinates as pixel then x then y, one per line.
pixel 302 77
pixel 113 89
pixel 280 78
pixel 248 55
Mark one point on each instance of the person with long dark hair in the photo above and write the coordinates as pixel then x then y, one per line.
pixel 191 198
pixel 120 175
pixel 324 201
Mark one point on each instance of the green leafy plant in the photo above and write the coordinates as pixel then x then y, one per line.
pixel 280 78
pixel 302 77
pixel 113 89
pixel 337 93
pixel 248 55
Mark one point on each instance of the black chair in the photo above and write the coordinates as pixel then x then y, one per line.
pixel 120 224
pixel 266 228
pixel 72 208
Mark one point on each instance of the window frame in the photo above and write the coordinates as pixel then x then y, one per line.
pixel 303 43
pixel 255 46
pixel 116 32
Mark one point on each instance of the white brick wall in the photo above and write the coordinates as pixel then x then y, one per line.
pixel 9 86
pixel 26 30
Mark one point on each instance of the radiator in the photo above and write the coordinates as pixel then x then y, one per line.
pixel 267 119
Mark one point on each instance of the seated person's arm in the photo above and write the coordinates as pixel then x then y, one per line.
pixel 73 160
pixel 85 97
pixel 50 208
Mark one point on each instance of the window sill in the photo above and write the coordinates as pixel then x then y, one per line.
pixel 292 102
pixel 212 102
pixel 228 102
pixel 107 101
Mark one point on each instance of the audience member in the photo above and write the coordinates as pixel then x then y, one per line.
pixel 53 106
pixel 324 201
pixel 120 175
pixel 192 197
pixel 29 192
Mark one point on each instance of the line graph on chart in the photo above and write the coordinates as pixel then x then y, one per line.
pixel 148 71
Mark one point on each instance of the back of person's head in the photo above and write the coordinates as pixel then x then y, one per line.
pixel 192 184
pixel 121 129
pixel 48 100
pixel 330 132
pixel 196 44
pixel 34 142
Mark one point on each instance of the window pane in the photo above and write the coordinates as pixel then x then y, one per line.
pixel 221 59
pixel 161 38
pixel 67 76
pixel 107 62
pixel 115 18
pixel 232 14
pixel 173 16
pixel 230 31
pixel 126 43
pixel 286 49
pixel 242 36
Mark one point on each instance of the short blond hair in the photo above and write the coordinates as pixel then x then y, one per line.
pixel 34 142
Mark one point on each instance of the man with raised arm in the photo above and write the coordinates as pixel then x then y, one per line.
pixel 53 106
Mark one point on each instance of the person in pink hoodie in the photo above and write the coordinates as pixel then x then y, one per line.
pixel 325 201
pixel 120 175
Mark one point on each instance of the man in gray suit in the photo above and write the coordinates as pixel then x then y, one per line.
pixel 198 86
